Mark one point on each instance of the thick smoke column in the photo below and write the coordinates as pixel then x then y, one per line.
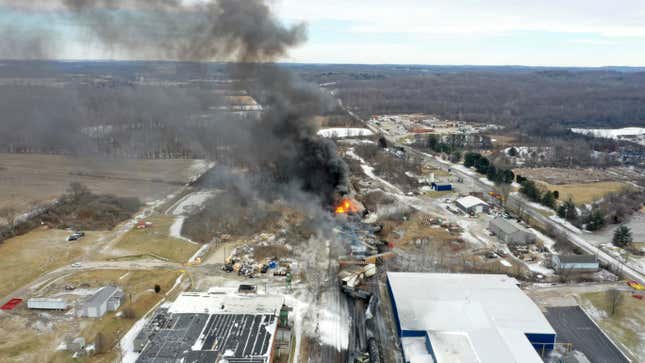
pixel 241 31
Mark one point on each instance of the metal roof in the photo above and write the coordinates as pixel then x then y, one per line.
pixel 470 201
pixel 578 258
pixel 507 226
pixel 103 295
pixel 489 312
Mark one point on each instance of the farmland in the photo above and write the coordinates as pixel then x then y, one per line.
pixel 28 179
pixel 585 193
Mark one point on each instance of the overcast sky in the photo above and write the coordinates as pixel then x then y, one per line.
pixel 478 32
pixel 489 32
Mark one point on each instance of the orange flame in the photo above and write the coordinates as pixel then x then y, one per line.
pixel 346 206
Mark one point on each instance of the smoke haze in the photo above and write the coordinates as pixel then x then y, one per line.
pixel 242 32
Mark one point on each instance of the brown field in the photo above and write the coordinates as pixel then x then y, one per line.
pixel 585 193
pixel 26 179
pixel 26 257
pixel 155 241
pixel 558 176
pixel 29 337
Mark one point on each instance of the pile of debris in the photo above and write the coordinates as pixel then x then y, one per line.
pixel 242 260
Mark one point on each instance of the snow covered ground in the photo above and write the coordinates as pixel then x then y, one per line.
pixel 341 132
pixel 636 134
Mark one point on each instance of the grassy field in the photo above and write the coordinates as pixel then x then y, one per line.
pixel 155 241
pixel 625 327
pixel 26 179
pixel 585 193
pixel 26 257
pixel 25 341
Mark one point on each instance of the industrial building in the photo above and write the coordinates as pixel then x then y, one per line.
pixel 212 327
pixel 467 318
pixel 575 263
pixel 510 232
pixel 108 298
pixel 472 205
pixel 46 304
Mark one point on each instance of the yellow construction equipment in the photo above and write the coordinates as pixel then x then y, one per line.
pixel 375 259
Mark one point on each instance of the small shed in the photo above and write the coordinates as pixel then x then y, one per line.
pixel 108 298
pixel 472 205
pixel 46 304
pixel 510 232
pixel 575 263
pixel 441 187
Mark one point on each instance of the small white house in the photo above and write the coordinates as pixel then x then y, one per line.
pixel 108 298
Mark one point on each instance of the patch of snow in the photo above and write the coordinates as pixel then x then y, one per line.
pixel 369 171
pixel 191 202
pixel 505 263
pixel 177 282
pixel 566 224
pixel 61 347
pixel 176 227
pixel 340 132
pixel 128 355
pixel 415 350
pixel 199 253
pixel 486 181
pixel 611 133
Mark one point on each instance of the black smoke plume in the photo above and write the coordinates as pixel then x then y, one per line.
pixel 243 32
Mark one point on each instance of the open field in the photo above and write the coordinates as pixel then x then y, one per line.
pixel 585 193
pixel 26 179
pixel 34 336
pixel 625 327
pixel 26 257
pixel 156 241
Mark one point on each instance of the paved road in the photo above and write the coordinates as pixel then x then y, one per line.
pixel 572 325
pixel 518 200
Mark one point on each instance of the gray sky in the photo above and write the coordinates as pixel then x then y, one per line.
pixel 547 32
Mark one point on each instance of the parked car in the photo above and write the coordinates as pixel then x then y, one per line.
pixel 75 236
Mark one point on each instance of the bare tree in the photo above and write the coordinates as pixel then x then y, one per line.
pixel 614 300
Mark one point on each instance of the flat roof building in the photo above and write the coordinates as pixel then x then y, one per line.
pixel 471 204
pixel 575 263
pixel 511 232
pixel 467 318
pixel 46 304
pixel 212 327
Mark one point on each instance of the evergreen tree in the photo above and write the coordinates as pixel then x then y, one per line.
pixel 622 237
pixel 596 220
pixel 482 165
pixel 491 173
pixel 512 152
pixel 548 200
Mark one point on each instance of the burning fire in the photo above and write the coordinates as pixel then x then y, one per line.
pixel 346 206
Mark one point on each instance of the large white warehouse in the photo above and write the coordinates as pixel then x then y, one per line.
pixel 467 318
